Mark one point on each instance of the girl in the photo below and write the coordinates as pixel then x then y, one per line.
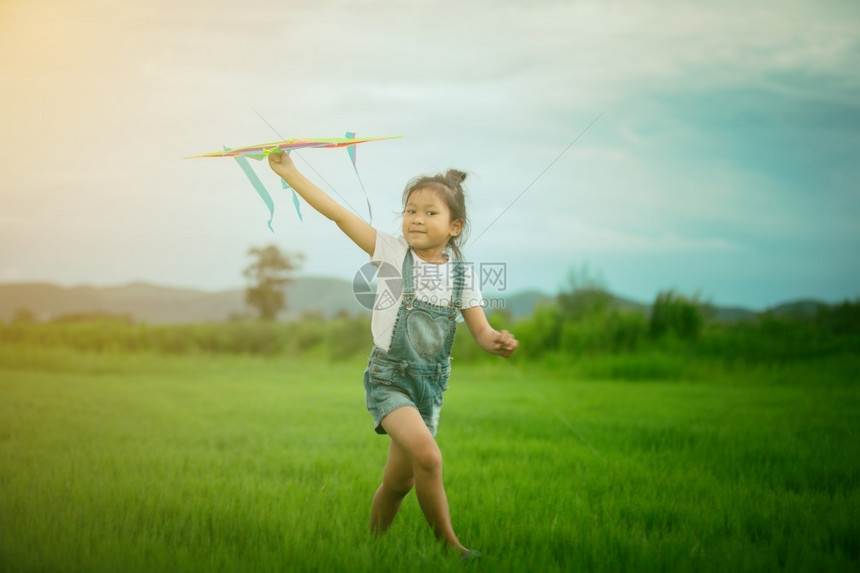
pixel 409 365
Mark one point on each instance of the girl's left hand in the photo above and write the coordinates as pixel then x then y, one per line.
pixel 504 343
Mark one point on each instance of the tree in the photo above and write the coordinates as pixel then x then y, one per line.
pixel 269 274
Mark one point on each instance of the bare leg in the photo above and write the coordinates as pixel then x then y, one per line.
pixel 397 481
pixel 412 438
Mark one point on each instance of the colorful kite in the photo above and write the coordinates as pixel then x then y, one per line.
pixel 262 151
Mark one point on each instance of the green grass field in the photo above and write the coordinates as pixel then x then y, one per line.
pixel 228 463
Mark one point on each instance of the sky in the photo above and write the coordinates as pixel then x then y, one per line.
pixel 709 148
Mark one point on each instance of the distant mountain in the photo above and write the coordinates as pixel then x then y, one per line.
pixel 800 308
pixel 732 313
pixel 521 304
pixel 156 304
pixel 145 302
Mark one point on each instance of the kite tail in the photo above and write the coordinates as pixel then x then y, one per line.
pixel 298 206
pixel 351 151
pixel 258 186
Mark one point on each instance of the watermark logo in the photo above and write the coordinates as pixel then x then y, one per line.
pixel 494 275
pixel 365 285
pixel 379 286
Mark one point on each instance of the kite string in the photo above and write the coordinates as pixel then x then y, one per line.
pixel 535 180
pixel 558 414
pixel 487 228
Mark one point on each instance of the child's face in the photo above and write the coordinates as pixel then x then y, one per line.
pixel 427 221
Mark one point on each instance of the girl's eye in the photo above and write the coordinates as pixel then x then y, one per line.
pixel 431 212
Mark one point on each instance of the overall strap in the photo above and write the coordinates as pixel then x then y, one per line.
pixel 408 279
pixel 459 280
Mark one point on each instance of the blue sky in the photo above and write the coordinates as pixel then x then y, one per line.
pixel 723 164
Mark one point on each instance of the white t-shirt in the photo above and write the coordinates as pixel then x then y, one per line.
pixel 433 283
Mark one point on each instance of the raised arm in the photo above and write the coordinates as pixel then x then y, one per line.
pixel 351 224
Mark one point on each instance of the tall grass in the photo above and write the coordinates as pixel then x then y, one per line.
pixel 337 338
pixel 579 325
pixel 213 462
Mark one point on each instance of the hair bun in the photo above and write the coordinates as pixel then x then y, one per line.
pixel 455 177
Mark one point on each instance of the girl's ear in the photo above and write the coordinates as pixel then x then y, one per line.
pixel 456 227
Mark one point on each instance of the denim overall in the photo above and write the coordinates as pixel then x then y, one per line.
pixel 414 371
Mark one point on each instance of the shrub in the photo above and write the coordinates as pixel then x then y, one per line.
pixel 675 315
pixel 24 316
